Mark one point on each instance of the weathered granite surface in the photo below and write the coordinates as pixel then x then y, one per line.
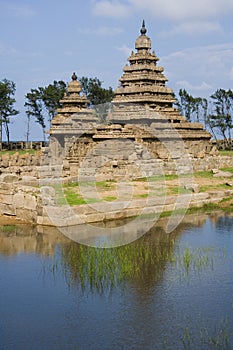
pixel 144 134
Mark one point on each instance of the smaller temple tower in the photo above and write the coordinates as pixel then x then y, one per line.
pixel 73 120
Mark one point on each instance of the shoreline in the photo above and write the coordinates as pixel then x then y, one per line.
pixel 66 216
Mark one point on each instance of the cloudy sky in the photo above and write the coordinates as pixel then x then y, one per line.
pixel 47 40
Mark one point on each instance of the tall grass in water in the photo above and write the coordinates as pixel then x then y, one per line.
pixel 102 269
pixel 143 261
pixel 195 260
pixel 218 338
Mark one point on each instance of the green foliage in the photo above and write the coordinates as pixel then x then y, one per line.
pixel 51 96
pixel 92 87
pixel 193 108
pixel 34 107
pixel 7 101
pixel 98 96
pixel 221 121
pixel 43 102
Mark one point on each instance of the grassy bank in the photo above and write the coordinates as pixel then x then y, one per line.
pixel 20 152
pixel 156 186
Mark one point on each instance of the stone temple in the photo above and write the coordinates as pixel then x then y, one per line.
pixel 144 135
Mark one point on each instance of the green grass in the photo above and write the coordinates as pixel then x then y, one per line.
pixel 105 185
pixel 20 152
pixel 110 198
pixel 226 199
pixel 142 195
pixel 203 174
pixel 178 190
pixel 158 178
pixel 226 153
pixel 69 196
pixel 102 269
pixel 69 193
pixel 205 188
pixel 164 177
pixel 8 228
pixel 206 208
pixel 228 169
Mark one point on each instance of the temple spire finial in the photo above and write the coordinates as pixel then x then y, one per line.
pixel 74 77
pixel 143 29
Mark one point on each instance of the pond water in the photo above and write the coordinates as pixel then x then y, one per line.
pixel 164 291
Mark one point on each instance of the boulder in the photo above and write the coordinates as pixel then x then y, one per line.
pixel 221 173
pixel 9 178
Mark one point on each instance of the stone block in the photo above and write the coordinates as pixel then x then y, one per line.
pixel 26 215
pixel 6 188
pixel 29 180
pixel 7 209
pixel 9 178
pixel 193 187
pixel 18 200
pixel 6 198
pixel 30 202
pixel 76 220
pixel 97 217
pixel 221 173
pixel 114 215
pixel 44 220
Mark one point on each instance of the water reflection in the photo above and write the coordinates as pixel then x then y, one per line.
pixel 160 292
pixel 141 263
pixel 15 239
pixel 21 238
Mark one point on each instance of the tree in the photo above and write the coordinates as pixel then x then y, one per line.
pixel 221 120
pixel 98 96
pixel 92 87
pixel 184 103
pixel 42 101
pixel 34 107
pixel 193 108
pixel 51 96
pixel 7 101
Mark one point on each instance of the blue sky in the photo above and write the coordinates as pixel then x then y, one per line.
pixel 42 41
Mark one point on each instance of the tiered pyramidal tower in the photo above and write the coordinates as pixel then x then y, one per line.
pixel 143 81
pixel 144 133
pixel 142 95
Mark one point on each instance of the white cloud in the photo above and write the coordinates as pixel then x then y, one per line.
pixel 231 73
pixel 11 51
pixel 7 51
pixel 183 9
pixel 180 10
pixel 204 66
pixel 125 49
pixel 16 10
pixel 192 28
pixel 188 86
pixel 110 8
pixel 102 31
